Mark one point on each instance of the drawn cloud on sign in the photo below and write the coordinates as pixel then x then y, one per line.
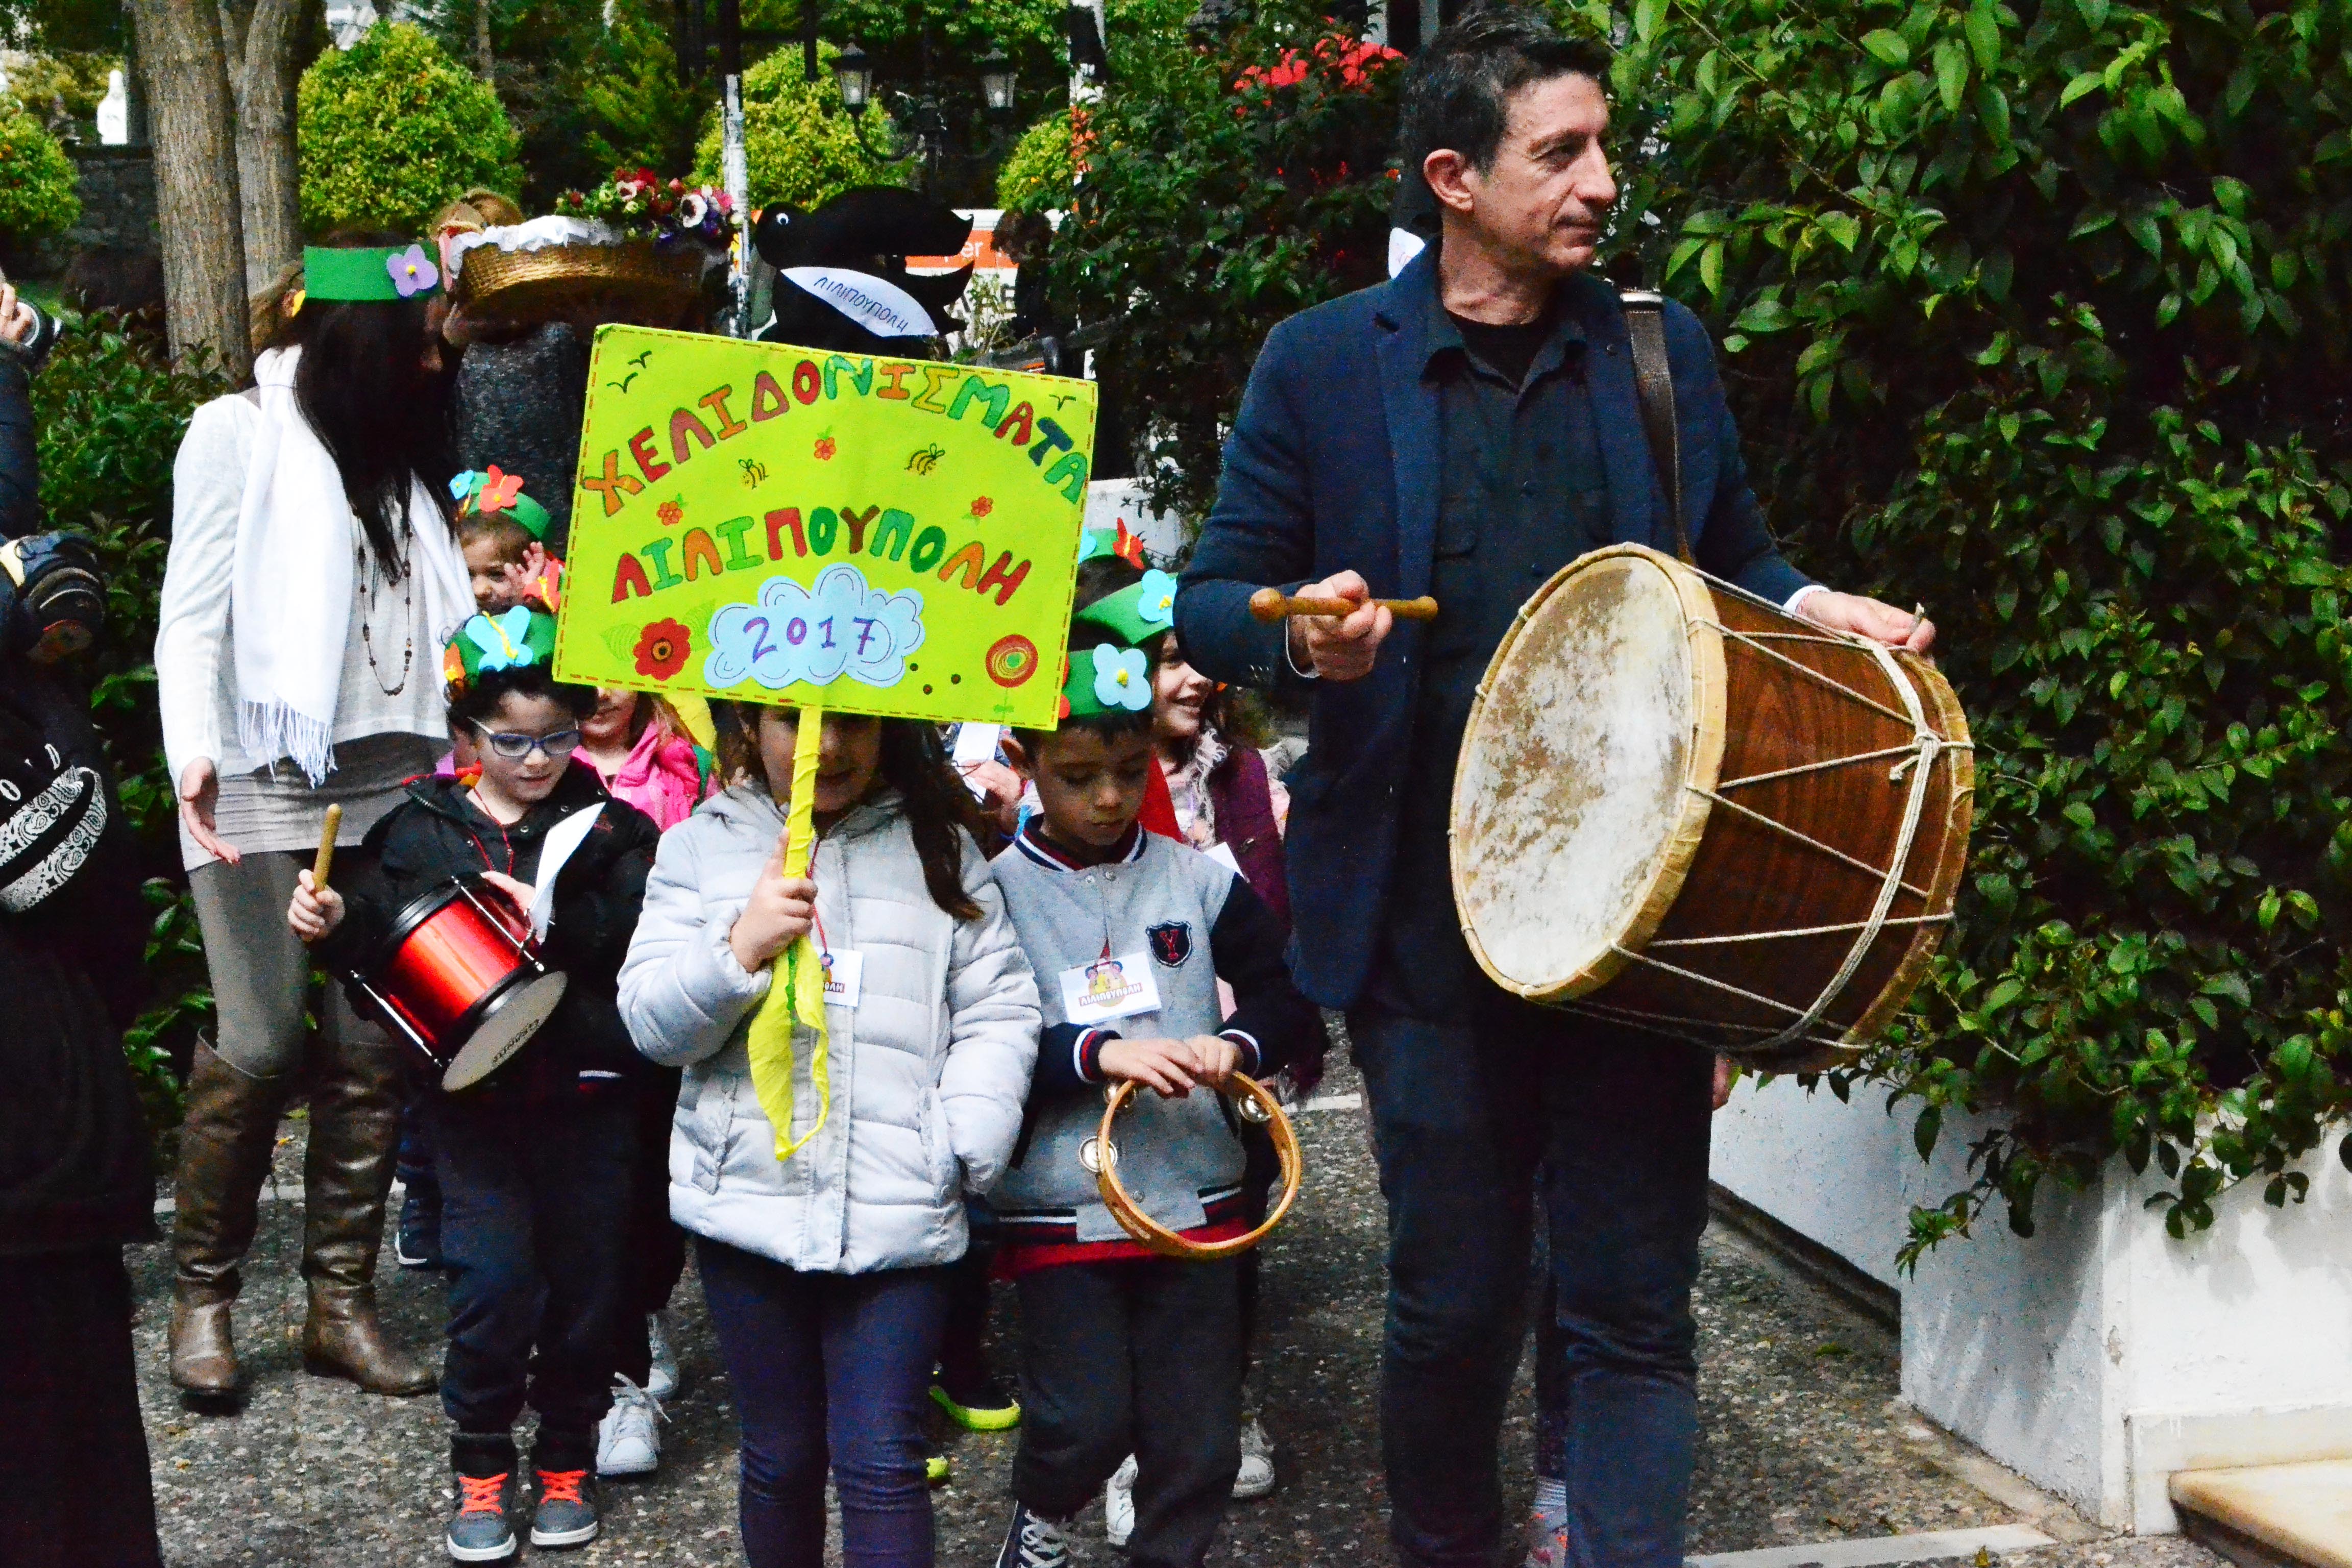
pixel 839 626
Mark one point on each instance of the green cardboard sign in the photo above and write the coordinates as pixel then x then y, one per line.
pixel 778 524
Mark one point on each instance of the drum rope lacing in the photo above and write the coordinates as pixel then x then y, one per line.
pixel 1919 758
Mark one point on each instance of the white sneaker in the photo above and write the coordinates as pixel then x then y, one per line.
pixel 1118 1503
pixel 1255 1477
pixel 662 1381
pixel 628 1443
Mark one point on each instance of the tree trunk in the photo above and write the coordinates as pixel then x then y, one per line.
pixel 181 51
pixel 261 77
pixel 483 62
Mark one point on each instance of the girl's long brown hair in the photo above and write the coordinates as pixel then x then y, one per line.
pixel 939 810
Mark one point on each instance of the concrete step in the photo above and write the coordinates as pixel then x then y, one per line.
pixel 2270 1516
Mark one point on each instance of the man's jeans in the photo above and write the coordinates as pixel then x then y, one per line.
pixel 1464 1113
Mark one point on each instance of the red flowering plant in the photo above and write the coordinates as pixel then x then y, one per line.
pixel 1225 188
pixel 640 202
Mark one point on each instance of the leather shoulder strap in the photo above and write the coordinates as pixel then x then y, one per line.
pixel 1654 385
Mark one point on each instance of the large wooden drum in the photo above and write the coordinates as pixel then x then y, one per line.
pixel 1681 809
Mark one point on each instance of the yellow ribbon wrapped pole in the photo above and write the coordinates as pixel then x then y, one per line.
pixel 795 997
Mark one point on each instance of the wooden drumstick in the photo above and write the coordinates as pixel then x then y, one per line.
pixel 1271 604
pixel 326 860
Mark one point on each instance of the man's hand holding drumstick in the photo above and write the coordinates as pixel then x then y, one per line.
pixel 1340 647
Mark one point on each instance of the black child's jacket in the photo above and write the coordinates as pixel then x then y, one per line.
pixel 438 833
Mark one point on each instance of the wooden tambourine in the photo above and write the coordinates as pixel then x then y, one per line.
pixel 1255 1102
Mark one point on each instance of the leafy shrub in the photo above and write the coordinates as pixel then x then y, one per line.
pixel 36 178
pixel 2039 301
pixel 63 90
pixel 797 136
pixel 1224 190
pixel 109 412
pixel 1039 174
pixel 391 129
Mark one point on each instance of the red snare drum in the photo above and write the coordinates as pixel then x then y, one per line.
pixel 458 975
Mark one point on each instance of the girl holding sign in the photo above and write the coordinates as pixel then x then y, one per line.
pixel 822 1172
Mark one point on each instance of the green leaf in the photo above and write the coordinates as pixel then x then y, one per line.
pixel 1983 28
pixel 1764 316
pixel 2229 195
pixel 2094 13
pixel 2003 994
pixel 1951 74
pixel 1924 1131
pixel 1649 17
pixel 1710 268
pixel 1886 47
pixel 2081 86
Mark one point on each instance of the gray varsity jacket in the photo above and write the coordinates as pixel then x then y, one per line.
pixel 1159 910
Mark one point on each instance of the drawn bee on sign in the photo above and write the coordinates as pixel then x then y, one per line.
pixel 924 461
pixel 755 472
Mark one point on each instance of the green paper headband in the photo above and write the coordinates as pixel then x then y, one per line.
pixel 488 494
pixel 1116 676
pixel 517 638
pixel 367 274
pixel 1108 678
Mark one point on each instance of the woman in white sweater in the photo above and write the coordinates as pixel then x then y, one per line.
pixel 826 1196
pixel 312 577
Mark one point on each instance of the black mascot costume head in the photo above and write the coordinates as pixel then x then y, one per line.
pixel 842 282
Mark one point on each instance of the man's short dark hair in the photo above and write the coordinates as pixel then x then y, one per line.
pixel 1458 91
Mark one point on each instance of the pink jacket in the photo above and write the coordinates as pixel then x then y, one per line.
pixel 659 777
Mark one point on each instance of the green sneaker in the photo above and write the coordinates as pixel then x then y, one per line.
pixel 984 1407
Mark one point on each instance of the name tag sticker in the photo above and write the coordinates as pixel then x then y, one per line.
pixel 1110 988
pixel 845 976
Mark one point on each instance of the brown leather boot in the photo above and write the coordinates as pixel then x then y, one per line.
pixel 224 1143
pixel 355 1142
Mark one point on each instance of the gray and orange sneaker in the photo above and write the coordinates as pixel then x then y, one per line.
pixel 482 1528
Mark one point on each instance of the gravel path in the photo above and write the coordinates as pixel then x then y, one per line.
pixel 1801 1437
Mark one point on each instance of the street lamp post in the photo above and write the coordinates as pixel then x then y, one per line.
pixel 922 112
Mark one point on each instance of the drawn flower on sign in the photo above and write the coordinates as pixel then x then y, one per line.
pixel 1122 679
pixel 982 506
pixel 670 514
pixel 662 649
pixel 824 449
pixel 838 626
pixel 1157 603
pixel 412 273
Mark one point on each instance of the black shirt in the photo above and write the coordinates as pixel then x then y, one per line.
pixel 1523 491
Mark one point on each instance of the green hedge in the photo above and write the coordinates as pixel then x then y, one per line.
pixel 1038 174
pixel 36 178
pixel 391 129
pixel 111 411
pixel 797 137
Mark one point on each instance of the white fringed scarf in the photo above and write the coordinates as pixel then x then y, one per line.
pixel 291 595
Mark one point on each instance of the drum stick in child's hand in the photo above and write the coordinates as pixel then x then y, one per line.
pixel 326 860
pixel 1271 604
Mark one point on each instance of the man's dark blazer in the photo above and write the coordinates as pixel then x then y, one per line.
pixel 1333 465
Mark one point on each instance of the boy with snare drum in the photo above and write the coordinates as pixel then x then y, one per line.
pixel 534 1161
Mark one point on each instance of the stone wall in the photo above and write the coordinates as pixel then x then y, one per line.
pixel 110 255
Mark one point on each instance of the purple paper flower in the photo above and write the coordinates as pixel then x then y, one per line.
pixel 413 272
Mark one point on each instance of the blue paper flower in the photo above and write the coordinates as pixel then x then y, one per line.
pixel 462 485
pixel 1123 678
pixel 1157 601
pixel 412 271
pixel 500 638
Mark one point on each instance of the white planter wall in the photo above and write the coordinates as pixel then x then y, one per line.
pixel 2099 1355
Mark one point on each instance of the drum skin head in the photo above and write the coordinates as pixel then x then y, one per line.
pixel 1573 824
pixel 513 1020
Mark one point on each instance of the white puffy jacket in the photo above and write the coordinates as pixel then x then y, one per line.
pixel 929 1072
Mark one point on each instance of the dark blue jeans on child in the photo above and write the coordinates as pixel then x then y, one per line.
pixel 829 1370
pixel 1464 1113
pixel 531 1200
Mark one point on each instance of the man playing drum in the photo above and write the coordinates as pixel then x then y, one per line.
pixel 1464 431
